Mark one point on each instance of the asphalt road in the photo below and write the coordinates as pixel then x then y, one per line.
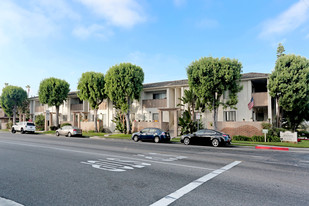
pixel 49 170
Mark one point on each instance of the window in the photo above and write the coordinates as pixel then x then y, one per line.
pixel 229 116
pixel 145 130
pixel 155 116
pixel 64 118
pixel 159 96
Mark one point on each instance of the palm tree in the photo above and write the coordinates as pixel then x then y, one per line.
pixel 28 89
pixel 192 100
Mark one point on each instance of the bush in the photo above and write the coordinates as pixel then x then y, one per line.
pixel 53 128
pixel 303 134
pixel 266 125
pixel 273 139
pixel 65 124
pixel 241 138
pixel 9 125
pixel 39 122
pixel 256 138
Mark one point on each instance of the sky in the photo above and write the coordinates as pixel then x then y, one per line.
pixel 65 38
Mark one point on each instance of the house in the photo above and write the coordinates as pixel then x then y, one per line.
pixel 159 107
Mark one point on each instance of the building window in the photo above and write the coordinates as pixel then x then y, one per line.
pixel 155 116
pixel 229 116
pixel 159 96
pixel 64 118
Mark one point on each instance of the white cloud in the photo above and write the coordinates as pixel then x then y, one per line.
pixel 17 23
pixel 122 13
pixel 93 30
pixel 287 21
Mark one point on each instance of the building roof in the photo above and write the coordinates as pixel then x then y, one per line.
pixel 251 75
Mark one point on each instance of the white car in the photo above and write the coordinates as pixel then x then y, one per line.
pixel 23 127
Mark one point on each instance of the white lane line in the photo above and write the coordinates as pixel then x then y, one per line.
pixel 191 186
pixel 6 202
pixel 103 154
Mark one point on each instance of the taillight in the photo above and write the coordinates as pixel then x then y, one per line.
pixel 74 130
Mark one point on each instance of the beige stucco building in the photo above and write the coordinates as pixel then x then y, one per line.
pixel 159 107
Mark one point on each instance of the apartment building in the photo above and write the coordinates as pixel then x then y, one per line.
pixel 159 107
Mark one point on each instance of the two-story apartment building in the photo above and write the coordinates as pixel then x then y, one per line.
pixel 159 106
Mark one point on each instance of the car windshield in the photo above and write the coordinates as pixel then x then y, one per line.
pixel 30 124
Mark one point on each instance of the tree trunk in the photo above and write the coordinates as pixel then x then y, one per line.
pixel 128 117
pixel 57 117
pixel 14 115
pixel 215 116
pixel 95 120
pixel 277 113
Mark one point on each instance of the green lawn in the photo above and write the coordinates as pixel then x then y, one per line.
pixel 302 144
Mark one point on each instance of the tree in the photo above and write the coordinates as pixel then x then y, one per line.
pixel 53 92
pixel 210 77
pixel 289 84
pixel 280 50
pixel 91 88
pixel 12 97
pixel 192 100
pixel 124 83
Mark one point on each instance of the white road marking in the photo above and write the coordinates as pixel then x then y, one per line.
pixel 191 186
pixel 103 154
pixel 6 202
pixel 161 157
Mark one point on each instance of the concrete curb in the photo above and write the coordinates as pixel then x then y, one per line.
pixel 272 148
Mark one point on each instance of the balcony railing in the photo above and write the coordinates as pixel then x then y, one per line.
pixel 260 99
pixel 154 103
pixel 76 107
pixel 39 109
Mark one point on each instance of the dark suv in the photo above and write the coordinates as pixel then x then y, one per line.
pixel 151 134
pixel 207 135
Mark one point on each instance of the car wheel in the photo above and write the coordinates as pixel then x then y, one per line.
pixel 13 130
pixel 69 134
pixel 22 131
pixel 57 134
pixel 135 138
pixel 186 141
pixel 156 139
pixel 215 142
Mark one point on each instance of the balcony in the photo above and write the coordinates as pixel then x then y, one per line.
pixel 260 99
pixel 39 109
pixel 76 107
pixel 154 103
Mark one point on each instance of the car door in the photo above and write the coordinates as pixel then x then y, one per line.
pixel 144 134
pixel 152 133
pixel 199 135
pixel 62 130
pixel 209 134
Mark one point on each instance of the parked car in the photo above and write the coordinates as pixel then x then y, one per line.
pixel 151 134
pixel 69 131
pixel 207 135
pixel 23 127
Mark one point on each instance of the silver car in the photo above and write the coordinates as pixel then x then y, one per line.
pixel 69 131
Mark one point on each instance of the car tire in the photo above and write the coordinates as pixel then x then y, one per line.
pixel 215 142
pixel 156 139
pixel 135 138
pixel 69 134
pixel 186 141
pixel 57 134
pixel 13 131
pixel 22 131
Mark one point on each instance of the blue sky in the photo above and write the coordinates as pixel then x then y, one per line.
pixel 64 38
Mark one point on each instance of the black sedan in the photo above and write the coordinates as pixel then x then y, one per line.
pixel 151 134
pixel 207 135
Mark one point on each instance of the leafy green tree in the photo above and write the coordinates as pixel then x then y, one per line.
pixel 289 84
pixel 123 84
pixel 39 122
pixel 280 50
pixel 192 100
pixel 54 92
pixel 12 97
pixel 210 77
pixel 91 88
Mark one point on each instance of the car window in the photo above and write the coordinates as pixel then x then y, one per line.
pixel 200 132
pixel 65 127
pixel 153 130
pixel 210 132
pixel 145 130
pixel 30 124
